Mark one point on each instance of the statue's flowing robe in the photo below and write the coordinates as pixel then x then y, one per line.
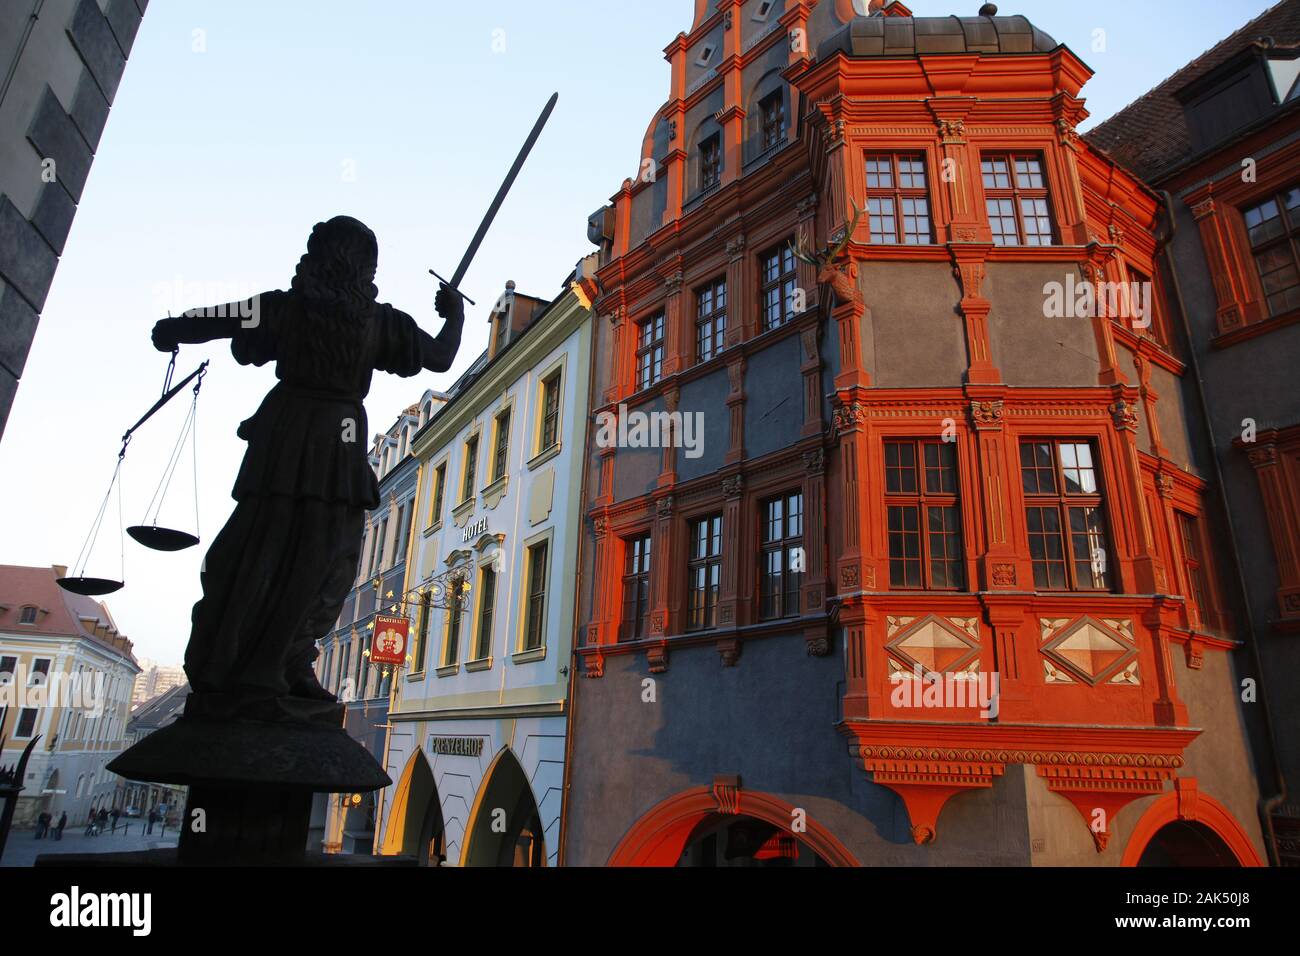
pixel 277 575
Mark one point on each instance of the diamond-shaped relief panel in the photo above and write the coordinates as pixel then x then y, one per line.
pixel 937 646
pixel 1094 651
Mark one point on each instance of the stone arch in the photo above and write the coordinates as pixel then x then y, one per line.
pixel 505 798
pixel 1194 815
pixel 660 836
pixel 415 825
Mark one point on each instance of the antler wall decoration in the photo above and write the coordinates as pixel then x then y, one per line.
pixel 841 276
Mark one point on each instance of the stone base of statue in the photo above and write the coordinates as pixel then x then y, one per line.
pixel 252 766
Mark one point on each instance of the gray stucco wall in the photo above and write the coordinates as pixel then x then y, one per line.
pixel 1253 379
pixel 916 336
pixel 771 719
pixel 774 392
pixel 1030 348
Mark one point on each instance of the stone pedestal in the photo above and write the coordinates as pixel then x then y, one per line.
pixel 252 767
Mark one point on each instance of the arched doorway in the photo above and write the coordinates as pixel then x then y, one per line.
pixel 741 841
pixel 1189 828
pixel 1184 843
pixel 415 822
pixel 506 829
pixel 749 828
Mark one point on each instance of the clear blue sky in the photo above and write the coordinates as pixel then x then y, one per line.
pixel 215 165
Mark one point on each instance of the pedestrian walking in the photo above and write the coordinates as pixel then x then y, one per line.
pixel 63 822
pixel 90 823
pixel 153 818
pixel 115 814
pixel 42 824
pixel 102 820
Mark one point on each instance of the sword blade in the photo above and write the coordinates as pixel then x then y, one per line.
pixel 477 241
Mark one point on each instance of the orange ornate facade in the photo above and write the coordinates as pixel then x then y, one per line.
pixel 922 380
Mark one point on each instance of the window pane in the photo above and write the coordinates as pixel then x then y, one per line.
pixel 1088 545
pixel 900 467
pixel 940 468
pixel 911 172
pixel 880 213
pixel 904 547
pixel 916 221
pixel 996 174
pixel 1263 222
pixel 944 529
pixel 1002 221
pixel 1029 173
pixel 879 173
pixel 1038 224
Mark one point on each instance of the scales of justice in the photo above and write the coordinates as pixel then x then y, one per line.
pixel 259 735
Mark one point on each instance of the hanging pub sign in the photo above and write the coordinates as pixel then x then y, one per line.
pixel 389 645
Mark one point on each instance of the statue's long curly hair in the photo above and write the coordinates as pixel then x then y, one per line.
pixel 336 279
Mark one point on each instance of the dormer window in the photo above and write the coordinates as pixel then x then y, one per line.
pixel 706 55
pixel 27 615
pixel 711 162
pixel 772 112
pixel 764 10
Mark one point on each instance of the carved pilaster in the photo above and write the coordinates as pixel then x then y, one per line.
pixel 736 400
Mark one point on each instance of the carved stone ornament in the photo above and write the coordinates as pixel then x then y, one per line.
pixel 1065 129
pixel 1004 575
pixel 951 129
pixel 734 486
pixel 986 414
pixel 814 461
pixel 1263 456
pixel 664 507
pixel 1125 415
pixel 847 416
pixel 726 792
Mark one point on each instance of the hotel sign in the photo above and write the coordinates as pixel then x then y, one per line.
pixel 473 531
pixel 389 645
pixel 457 746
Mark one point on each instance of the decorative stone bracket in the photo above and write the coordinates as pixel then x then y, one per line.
pixel 1098 771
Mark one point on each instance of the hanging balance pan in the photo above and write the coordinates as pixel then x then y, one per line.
pixel 162 539
pixel 89 587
